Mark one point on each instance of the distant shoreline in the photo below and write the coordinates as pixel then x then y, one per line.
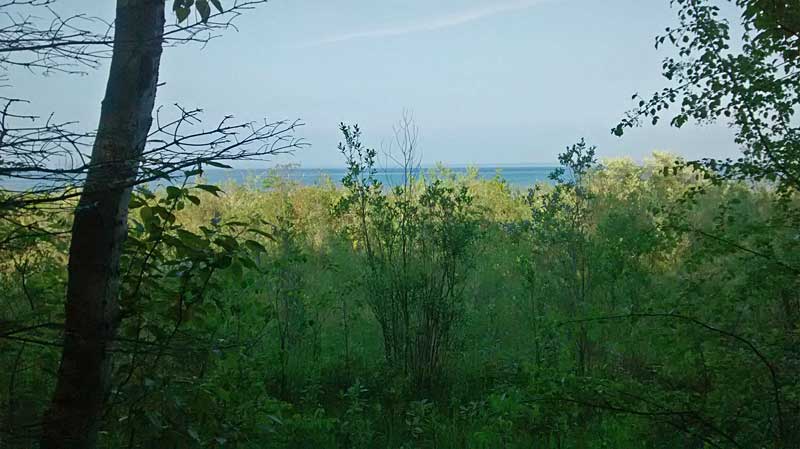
pixel 515 175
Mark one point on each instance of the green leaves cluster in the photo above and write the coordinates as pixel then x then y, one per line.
pixel 183 8
pixel 751 83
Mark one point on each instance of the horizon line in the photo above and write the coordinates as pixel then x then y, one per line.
pixel 424 166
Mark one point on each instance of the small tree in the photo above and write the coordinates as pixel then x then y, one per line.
pixel 560 227
pixel 285 283
pixel 415 242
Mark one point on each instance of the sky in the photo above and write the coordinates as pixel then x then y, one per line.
pixel 487 81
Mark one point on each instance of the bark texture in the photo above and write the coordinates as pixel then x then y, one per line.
pixel 100 228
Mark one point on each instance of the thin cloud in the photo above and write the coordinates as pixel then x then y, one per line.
pixel 429 24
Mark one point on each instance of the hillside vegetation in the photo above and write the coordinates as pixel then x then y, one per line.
pixel 607 309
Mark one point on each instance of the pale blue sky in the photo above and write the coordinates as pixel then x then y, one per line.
pixel 488 81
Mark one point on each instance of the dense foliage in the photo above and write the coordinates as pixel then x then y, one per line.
pixel 596 311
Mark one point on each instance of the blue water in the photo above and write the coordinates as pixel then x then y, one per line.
pixel 517 176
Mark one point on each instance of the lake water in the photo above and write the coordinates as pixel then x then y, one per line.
pixel 517 176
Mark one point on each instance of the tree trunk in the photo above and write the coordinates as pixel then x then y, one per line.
pixel 100 227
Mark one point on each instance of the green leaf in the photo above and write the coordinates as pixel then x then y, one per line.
pixel 248 262
pixel 263 234
pixel 190 239
pixel 227 242
pixel 182 13
pixel 218 164
pixel 212 189
pixel 135 203
pixel 217 5
pixel 224 262
pixel 147 214
pixel 171 241
pixel 275 419
pixel 163 213
pixel 203 9
pixel 255 246
pixel 173 192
